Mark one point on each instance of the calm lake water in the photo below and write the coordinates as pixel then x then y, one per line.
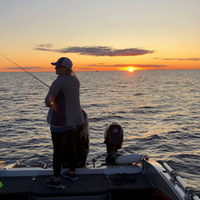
pixel 158 110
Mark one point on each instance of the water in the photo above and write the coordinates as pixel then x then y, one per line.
pixel 158 110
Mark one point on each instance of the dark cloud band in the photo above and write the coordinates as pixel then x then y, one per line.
pixel 27 68
pixel 128 65
pixel 96 50
pixel 180 59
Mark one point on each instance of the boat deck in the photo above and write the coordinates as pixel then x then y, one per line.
pixel 89 186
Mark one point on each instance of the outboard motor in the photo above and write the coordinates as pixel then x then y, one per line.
pixel 113 140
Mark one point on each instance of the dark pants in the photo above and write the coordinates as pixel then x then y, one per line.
pixel 63 142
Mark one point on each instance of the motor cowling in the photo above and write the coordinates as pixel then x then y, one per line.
pixel 113 140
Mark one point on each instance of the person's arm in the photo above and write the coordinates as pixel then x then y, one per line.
pixel 53 93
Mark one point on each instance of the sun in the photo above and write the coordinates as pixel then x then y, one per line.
pixel 130 69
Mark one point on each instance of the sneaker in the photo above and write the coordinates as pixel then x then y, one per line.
pixel 53 184
pixel 73 177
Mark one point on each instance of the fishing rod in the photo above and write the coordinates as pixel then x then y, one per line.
pixel 24 70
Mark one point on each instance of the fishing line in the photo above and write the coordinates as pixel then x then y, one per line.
pixel 25 70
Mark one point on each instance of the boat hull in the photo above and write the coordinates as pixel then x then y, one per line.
pixel 149 180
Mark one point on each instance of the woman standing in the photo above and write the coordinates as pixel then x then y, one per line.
pixel 65 117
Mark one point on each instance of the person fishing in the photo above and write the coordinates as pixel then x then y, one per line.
pixel 65 117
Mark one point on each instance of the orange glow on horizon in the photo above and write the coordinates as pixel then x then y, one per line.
pixel 129 69
pixel 86 65
pixel 76 69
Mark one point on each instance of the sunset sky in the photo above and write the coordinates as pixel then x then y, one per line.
pixel 100 34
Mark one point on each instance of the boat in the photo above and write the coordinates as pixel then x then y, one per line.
pixel 120 177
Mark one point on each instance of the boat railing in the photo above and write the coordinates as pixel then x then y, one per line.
pixel 176 179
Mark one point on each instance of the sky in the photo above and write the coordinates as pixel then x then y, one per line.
pixel 100 35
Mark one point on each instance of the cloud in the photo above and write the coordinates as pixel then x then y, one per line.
pixel 44 47
pixel 181 59
pixel 26 68
pixel 96 50
pixel 47 45
pixel 128 65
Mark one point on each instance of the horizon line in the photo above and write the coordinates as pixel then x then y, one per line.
pixel 104 70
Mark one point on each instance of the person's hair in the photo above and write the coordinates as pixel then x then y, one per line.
pixel 69 71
